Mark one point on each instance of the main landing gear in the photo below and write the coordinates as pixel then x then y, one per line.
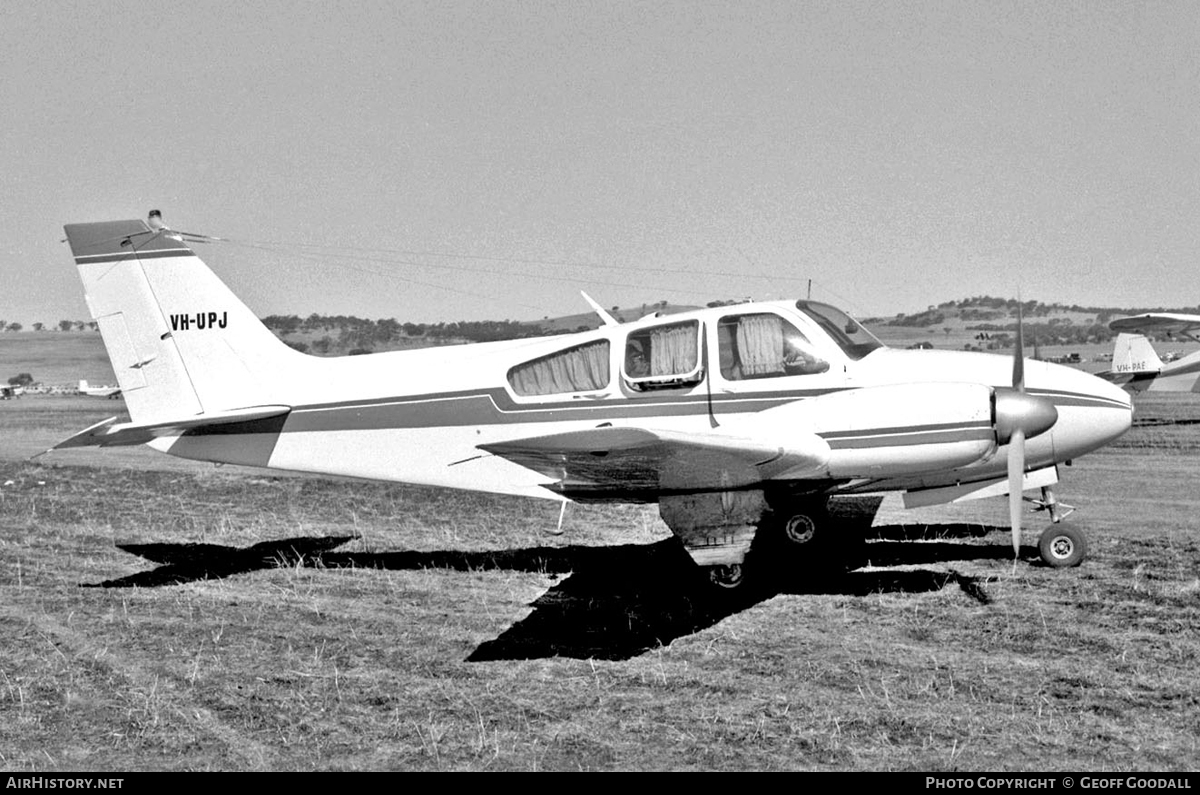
pixel 748 537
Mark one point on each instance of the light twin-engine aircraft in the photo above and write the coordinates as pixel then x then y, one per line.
pixel 1137 367
pixel 738 420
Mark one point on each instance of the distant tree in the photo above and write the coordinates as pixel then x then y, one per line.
pixel 79 325
pixel 387 329
pixel 299 346
pixel 64 325
pixel 3 324
pixel 322 345
pixel 947 329
pixel 22 379
pixel 14 327
pixel 282 324
pixel 39 326
pixel 92 325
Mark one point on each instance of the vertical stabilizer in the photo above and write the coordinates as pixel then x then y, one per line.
pixel 1134 355
pixel 180 342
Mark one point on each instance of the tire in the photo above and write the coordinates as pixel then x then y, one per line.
pixel 804 538
pixel 727 578
pixel 800 530
pixel 1062 547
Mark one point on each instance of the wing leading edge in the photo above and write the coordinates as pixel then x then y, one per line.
pixel 612 460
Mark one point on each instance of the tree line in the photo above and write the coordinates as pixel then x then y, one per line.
pixel 361 333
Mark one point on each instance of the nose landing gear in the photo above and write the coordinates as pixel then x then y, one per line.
pixel 1059 547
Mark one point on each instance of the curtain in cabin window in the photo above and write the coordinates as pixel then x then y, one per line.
pixel 582 369
pixel 760 344
pixel 673 349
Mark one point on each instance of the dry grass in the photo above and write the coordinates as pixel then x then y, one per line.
pixel 450 632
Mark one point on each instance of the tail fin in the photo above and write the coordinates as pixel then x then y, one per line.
pixel 180 342
pixel 1134 355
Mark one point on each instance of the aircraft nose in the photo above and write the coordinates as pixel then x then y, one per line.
pixel 1100 415
pixel 1119 418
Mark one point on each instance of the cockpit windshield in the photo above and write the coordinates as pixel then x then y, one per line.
pixel 854 340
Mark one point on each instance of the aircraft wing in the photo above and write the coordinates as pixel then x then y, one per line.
pixel 610 460
pixel 110 433
pixel 1157 321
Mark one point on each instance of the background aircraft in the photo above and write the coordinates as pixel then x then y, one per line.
pixel 111 392
pixel 738 421
pixel 1136 365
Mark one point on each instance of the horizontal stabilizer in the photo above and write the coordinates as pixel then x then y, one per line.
pixel 110 433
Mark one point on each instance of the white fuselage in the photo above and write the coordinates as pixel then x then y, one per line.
pixel 420 416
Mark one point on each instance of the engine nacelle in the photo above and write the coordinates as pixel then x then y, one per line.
pixel 901 429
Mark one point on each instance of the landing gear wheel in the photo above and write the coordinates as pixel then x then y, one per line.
pixel 727 577
pixel 800 529
pixel 1062 546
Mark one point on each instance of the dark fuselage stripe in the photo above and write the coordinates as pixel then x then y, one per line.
pixel 937 427
pixel 495 407
pixel 1061 398
pixel 876 439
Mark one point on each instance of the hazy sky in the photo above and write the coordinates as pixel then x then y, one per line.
pixel 899 154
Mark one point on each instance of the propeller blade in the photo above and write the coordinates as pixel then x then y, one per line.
pixel 1019 353
pixel 1016 481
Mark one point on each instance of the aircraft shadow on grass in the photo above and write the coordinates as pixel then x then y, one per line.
pixel 617 602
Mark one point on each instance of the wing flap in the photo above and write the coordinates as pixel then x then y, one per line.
pixel 110 433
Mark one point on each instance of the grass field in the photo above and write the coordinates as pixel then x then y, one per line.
pixel 162 614
pixel 54 357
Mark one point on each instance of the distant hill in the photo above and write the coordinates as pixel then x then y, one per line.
pixel 989 323
pixel 585 321
pixel 339 335
pixel 981 323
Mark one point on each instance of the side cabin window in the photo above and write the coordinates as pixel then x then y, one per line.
pixel 764 345
pixel 664 356
pixel 583 368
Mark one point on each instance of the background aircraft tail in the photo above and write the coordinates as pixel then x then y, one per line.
pixel 1133 354
pixel 180 342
